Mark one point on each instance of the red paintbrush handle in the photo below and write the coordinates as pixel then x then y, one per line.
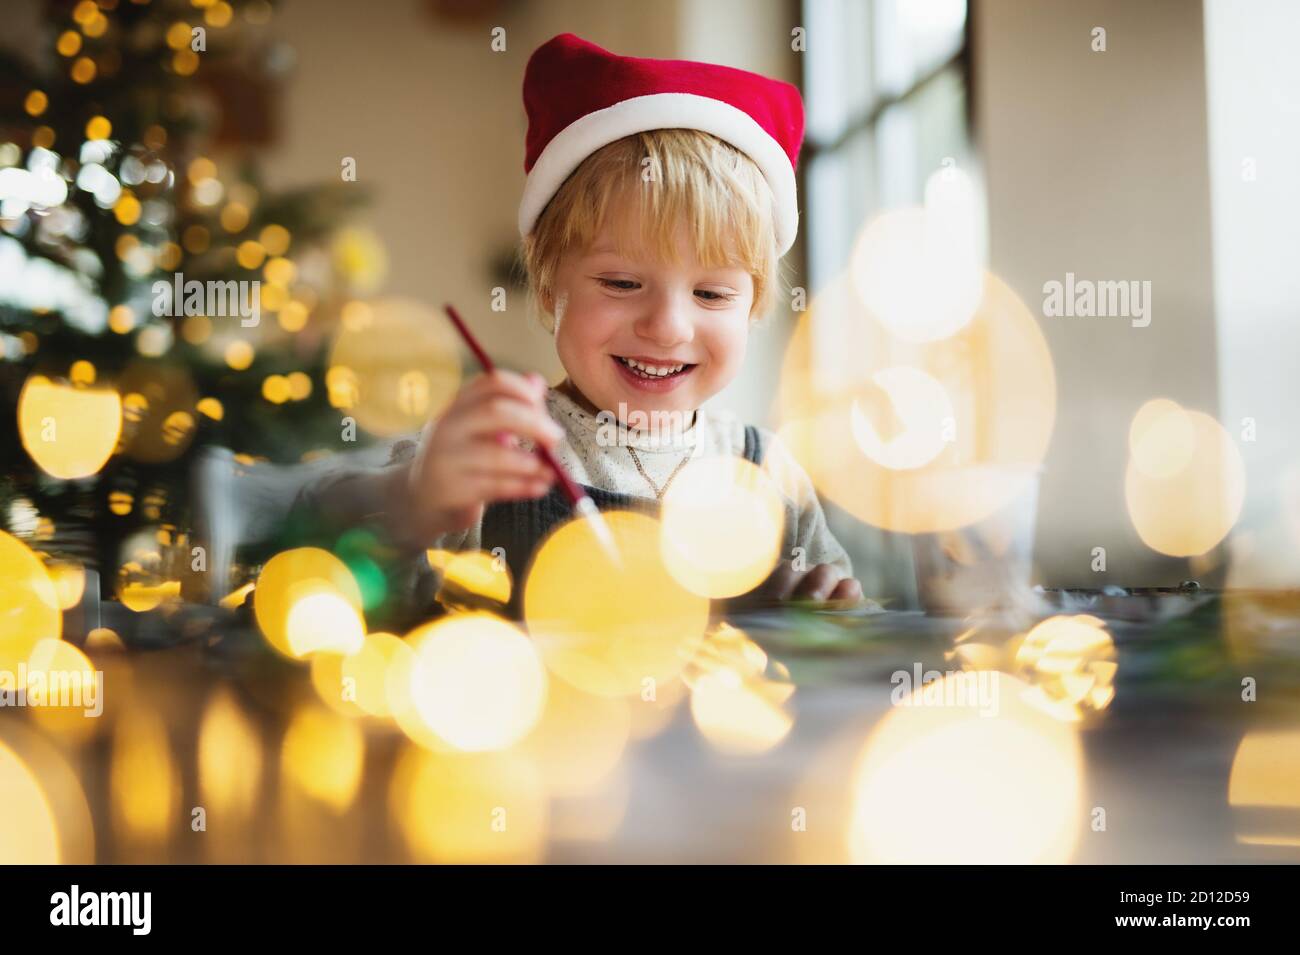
pixel 572 490
pixel 484 361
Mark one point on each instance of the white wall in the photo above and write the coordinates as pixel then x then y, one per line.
pixel 1097 164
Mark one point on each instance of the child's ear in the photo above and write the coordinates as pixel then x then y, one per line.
pixel 547 300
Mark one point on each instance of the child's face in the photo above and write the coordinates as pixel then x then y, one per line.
pixel 611 308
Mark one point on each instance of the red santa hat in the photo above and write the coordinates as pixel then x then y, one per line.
pixel 580 97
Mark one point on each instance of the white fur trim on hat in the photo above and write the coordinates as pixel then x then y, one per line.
pixel 566 151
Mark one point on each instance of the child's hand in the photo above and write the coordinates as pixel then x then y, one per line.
pixel 471 455
pixel 824 582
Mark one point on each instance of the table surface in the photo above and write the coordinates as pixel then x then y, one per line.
pixel 1158 759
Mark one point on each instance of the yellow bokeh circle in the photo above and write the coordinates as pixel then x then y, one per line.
pixel 967 756
pixel 477 681
pixel 1187 510
pixel 469 808
pixel 291 579
pixel 403 365
pixel 29 604
pixel 722 524
pixel 918 437
pixel 69 432
pixel 609 627
pixel 356 684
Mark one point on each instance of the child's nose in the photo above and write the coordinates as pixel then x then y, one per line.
pixel 667 323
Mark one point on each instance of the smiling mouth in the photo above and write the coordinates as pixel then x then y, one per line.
pixel 654 371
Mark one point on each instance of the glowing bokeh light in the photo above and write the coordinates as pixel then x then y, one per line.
pixel 1182 511
pixel 1161 439
pixel 579 739
pixel 399 696
pixel 150 570
pixel 322 756
pixel 1070 664
pixel 609 629
pixel 147 594
pixel 923 411
pixel 918 270
pixel 64 690
pixel 102 638
pixel 144 780
pixel 28 832
pixel 722 524
pixel 737 706
pixel 322 620
pixel 882 444
pixel 69 432
pixel 229 761
pixel 32 756
pixel 403 366
pixel 1264 779
pixel 29 604
pixel 477 681
pixel 69 579
pixel 738 716
pixel 469 808
pixel 299 575
pixel 356 684
pixel 468 575
pixel 963 783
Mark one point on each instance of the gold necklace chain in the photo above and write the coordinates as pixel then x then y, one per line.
pixel 659 494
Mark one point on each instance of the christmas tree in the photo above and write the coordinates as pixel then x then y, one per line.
pixel 155 296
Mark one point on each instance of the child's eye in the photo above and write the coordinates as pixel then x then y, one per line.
pixel 619 285
pixel 709 295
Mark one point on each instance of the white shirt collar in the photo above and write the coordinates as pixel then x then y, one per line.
pixel 607 429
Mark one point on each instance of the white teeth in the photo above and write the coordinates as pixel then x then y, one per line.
pixel 656 371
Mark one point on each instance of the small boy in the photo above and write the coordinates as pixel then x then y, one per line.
pixel 660 197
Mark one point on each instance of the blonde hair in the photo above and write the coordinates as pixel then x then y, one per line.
pixel 677 175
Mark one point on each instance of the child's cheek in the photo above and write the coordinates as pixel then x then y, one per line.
pixel 731 348
pixel 580 323
pixel 599 317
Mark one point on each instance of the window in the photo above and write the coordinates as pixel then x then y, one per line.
pixel 886 93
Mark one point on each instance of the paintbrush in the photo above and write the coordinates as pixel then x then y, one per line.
pixel 583 505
